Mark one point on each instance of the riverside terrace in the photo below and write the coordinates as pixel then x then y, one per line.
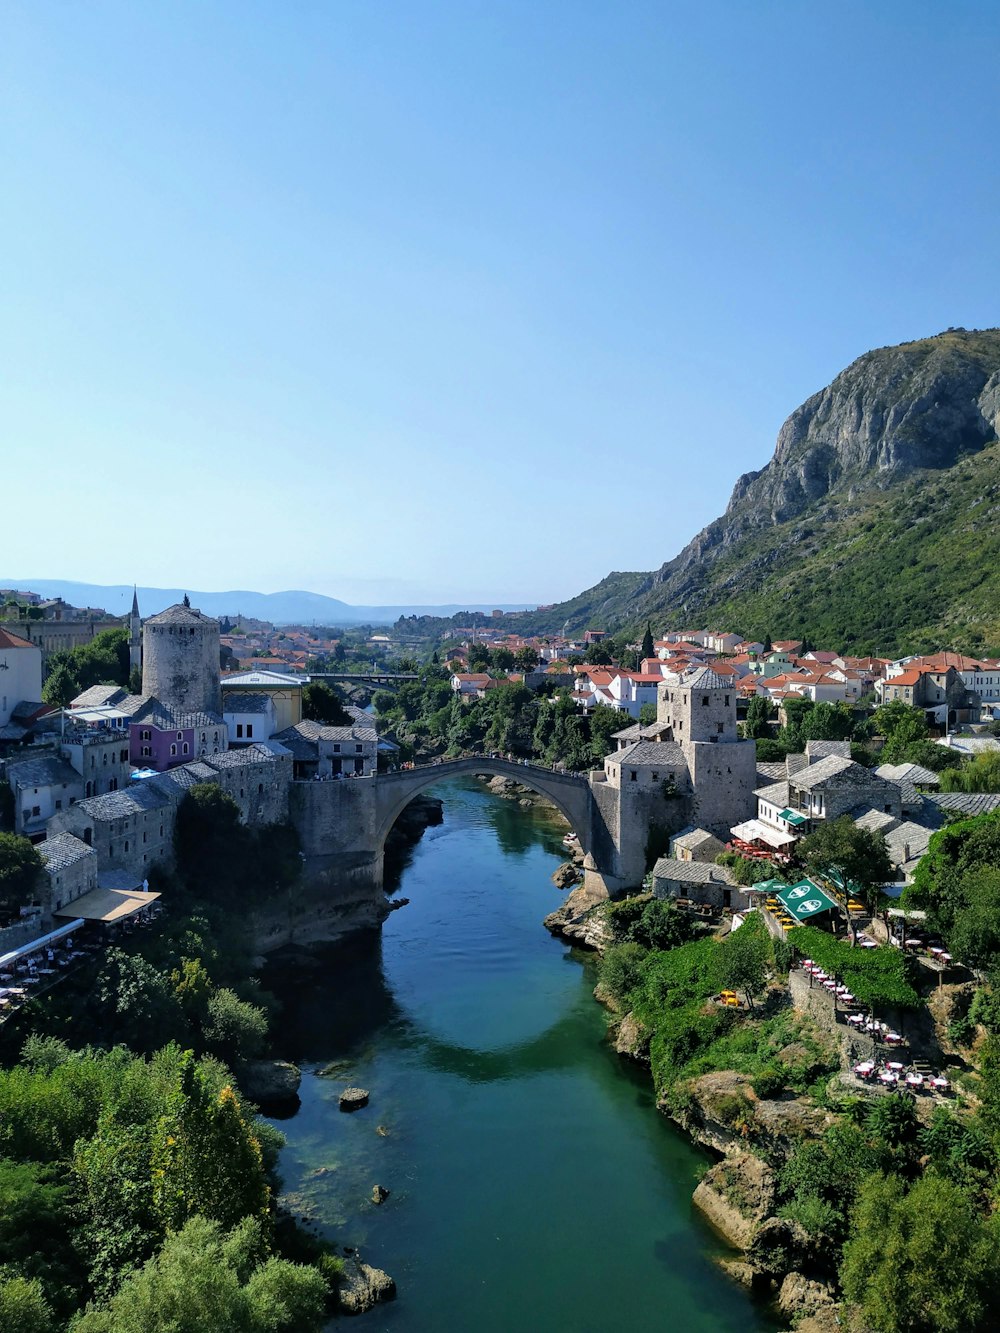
pixel 104 915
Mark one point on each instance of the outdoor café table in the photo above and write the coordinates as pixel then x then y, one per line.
pixel 887 1076
pixel 915 1080
pixel 830 984
pixel 807 962
pixel 912 944
pixel 868 944
pixel 940 1083
pixel 848 998
pixel 857 1019
pixel 894 1064
pixel 944 957
pixel 46 971
pixel 936 950
pixel 893 1038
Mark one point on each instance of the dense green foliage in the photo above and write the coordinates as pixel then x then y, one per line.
pixel 957 883
pixel 20 865
pixel 322 703
pixel 428 716
pixel 876 977
pixel 102 661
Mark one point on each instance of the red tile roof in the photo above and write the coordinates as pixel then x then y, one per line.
pixel 8 640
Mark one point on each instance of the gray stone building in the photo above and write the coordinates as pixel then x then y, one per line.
pixel 70 870
pixel 699 881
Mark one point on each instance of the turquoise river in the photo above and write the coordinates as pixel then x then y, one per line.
pixel 533 1186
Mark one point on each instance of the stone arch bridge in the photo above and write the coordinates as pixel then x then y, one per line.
pixel 569 792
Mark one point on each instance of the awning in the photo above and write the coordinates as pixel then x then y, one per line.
pixel 109 904
pixel 752 830
pixel 807 899
pixel 767 886
pixel 792 817
pixel 43 942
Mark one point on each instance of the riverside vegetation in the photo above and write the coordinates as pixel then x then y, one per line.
pixel 889 1206
pixel 137 1184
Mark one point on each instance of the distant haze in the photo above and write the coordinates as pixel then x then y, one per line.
pixel 281 608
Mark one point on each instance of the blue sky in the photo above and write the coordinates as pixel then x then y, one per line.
pixel 415 301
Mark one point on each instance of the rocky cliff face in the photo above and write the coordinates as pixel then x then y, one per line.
pixel 893 412
pixel 821 541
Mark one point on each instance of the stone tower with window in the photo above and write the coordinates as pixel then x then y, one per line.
pixel 180 660
pixel 700 712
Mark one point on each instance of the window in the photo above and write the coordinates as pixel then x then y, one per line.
pixel 260 789
pixel 144 836
pixel 656 776
pixel 144 735
pixel 58 805
pixel 249 730
pixel 161 830
pixel 727 700
pixel 720 727
pixel 126 844
pixel 113 785
pixel 239 731
pixel 633 775
pixel 90 789
pixel 704 701
pixel 336 749
pixel 123 756
pixel 146 751
pixel 185 748
pixel 173 749
pixel 203 738
pixel 180 735
pixel 357 749
pixel 104 759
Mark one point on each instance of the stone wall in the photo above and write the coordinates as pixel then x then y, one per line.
pixel 723 777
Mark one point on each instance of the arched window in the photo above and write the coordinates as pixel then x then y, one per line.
pixel 126 844
pixel 173 749
pixel 184 748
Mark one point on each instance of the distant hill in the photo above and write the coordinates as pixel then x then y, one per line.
pixel 280 608
pixel 874 528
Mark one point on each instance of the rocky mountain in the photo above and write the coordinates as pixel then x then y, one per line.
pixel 875 526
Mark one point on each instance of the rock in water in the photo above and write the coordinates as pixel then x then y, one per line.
pixel 270 1083
pixel 352 1099
pixel 379 1194
pixel 362 1287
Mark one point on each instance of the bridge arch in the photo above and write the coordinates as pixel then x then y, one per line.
pixel 568 792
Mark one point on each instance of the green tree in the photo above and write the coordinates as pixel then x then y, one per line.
pixel 901 726
pixel 503 658
pixel 204 1279
pixel 322 703
pixel 604 722
pixel 827 722
pixel 647 715
pixel 856 855
pixel 102 661
pixel 598 654
pixel 212 847
pixel 23 1307
pixel 20 867
pixel 234 1030
pixel 138 1005
pixel 647 649
pixel 526 658
pixel 944 875
pixel 920 1261
pixel 760 711
pixel 743 959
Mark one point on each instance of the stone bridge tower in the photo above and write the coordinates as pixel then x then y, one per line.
pixel 180 659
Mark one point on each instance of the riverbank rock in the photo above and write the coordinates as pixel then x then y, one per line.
pixel 577 921
pixel 800 1296
pixel 738 1271
pixel 501 786
pixel 724 1112
pixel 352 1099
pixel 632 1039
pixel 270 1083
pixel 736 1196
pixel 362 1286
pixel 379 1194
pixel 566 875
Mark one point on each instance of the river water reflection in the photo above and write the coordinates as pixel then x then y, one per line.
pixel 532 1185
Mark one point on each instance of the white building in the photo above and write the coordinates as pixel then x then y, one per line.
pixel 20 673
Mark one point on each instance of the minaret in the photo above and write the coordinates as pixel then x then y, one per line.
pixel 134 633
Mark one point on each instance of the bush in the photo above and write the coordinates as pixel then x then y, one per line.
pixel 620 970
pixel 770 1081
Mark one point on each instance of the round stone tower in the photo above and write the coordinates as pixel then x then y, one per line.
pixel 180 659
